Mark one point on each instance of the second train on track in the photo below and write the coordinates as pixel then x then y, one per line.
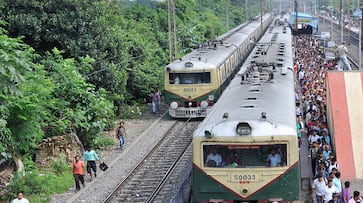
pixel 194 83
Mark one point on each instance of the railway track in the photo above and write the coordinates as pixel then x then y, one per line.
pixel 352 39
pixel 147 178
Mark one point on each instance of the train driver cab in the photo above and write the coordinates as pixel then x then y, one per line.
pixel 190 78
pixel 245 156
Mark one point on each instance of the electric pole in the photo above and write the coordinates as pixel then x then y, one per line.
pixel 169 35
pixel 227 14
pixel 295 7
pixel 175 39
pixel 261 15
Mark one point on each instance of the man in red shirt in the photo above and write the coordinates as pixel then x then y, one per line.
pixel 78 172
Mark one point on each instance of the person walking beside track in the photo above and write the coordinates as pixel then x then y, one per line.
pixel 121 133
pixel 78 172
pixel 155 98
pixel 90 156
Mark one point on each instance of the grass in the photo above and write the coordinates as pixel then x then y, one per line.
pixel 55 184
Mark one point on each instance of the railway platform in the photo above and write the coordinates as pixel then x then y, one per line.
pixel 345 98
pixel 345 92
pixel 345 116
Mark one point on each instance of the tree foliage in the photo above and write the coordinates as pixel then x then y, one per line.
pixel 69 66
pixel 83 59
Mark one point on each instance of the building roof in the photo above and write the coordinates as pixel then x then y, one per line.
pixel 304 18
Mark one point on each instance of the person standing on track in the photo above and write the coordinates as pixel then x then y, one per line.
pixel 90 156
pixel 342 52
pixel 78 172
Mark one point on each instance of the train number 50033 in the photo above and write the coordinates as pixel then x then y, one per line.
pixel 244 177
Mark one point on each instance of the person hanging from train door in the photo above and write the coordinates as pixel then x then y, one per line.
pixel 342 52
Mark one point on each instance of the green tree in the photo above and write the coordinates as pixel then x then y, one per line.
pixel 20 113
pixel 77 106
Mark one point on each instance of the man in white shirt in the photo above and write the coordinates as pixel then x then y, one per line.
pixel 343 51
pixel 20 198
pixel 214 156
pixel 314 137
pixel 318 187
pixel 328 191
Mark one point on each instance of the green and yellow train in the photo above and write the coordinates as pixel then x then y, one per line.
pixel 194 83
pixel 246 149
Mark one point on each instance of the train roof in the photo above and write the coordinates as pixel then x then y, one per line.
pixel 212 54
pixel 272 92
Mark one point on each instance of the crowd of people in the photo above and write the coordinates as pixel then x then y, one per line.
pixel 311 68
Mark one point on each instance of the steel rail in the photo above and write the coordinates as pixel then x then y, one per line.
pixel 167 175
pixel 138 165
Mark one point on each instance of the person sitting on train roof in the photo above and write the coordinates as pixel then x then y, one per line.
pixel 273 159
pixel 213 159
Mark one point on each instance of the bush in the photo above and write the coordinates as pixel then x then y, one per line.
pixel 131 112
pixel 60 165
pixel 39 187
pixel 29 182
pixel 102 141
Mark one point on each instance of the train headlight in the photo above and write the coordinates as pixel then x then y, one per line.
pixel 208 134
pixel 244 190
pixel 243 129
pixel 174 105
pixel 204 104
pixel 190 104
pixel 211 97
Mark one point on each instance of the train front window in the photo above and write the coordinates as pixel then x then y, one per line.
pixel 190 78
pixel 245 156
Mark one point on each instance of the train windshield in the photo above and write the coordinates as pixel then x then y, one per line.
pixel 245 156
pixel 190 78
